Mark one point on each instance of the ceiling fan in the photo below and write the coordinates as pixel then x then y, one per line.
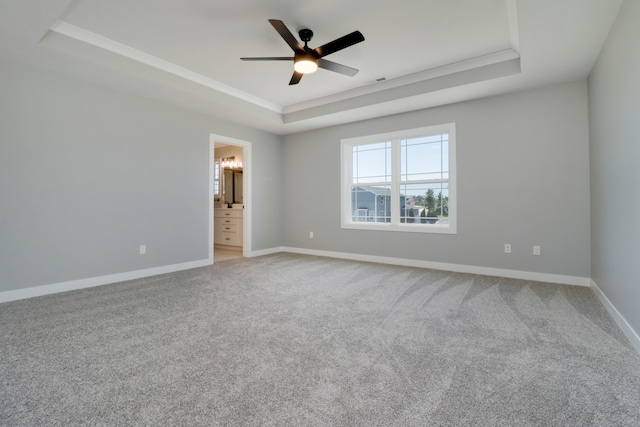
pixel 307 60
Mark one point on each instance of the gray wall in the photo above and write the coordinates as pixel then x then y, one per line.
pixel 87 174
pixel 614 116
pixel 523 178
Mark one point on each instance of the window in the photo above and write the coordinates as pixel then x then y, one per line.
pixel 401 181
pixel 216 178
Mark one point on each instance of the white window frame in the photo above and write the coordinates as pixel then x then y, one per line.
pixel 346 179
pixel 217 182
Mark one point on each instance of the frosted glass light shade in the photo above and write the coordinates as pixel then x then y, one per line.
pixel 305 66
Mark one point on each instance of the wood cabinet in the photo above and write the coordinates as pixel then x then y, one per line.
pixel 227 227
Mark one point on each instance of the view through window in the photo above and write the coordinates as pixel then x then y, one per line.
pixel 401 181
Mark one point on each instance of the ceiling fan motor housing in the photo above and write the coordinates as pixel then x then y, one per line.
pixel 305 35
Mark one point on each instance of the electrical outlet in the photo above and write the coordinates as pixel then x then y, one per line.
pixel 311 234
pixel 507 248
pixel 143 249
pixel 536 250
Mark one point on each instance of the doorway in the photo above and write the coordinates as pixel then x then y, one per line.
pixel 233 239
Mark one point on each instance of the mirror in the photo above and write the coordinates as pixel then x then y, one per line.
pixel 232 186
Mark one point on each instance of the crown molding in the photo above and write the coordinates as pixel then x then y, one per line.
pixel 457 67
pixel 496 64
pixel 99 41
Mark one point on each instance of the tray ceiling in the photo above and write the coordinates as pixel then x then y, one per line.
pixel 423 54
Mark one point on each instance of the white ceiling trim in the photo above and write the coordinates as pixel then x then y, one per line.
pixel 514 29
pixel 466 65
pixel 93 39
pixel 99 41
pixel 443 82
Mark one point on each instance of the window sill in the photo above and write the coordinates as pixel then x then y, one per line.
pixel 405 228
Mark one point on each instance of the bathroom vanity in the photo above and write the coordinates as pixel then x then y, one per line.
pixel 227 227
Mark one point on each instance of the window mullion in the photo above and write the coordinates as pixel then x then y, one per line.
pixel 347 180
pixel 396 167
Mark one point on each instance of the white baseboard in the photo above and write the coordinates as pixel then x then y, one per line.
pixel 269 251
pixel 617 317
pixel 54 288
pixel 458 268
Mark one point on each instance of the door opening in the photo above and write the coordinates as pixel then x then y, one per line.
pixel 230 202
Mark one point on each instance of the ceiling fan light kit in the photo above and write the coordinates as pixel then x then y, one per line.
pixel 305 66
pixel 307 60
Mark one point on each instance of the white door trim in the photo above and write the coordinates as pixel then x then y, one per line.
pixel 246 190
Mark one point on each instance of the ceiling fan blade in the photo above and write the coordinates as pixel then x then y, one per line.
pixel 295 79
pixel 339 44
pixel 338 68
pixel 269 58
pixel 286 34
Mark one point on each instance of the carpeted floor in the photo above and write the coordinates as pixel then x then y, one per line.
pixel 292 340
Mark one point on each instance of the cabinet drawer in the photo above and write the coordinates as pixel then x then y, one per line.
pixel 228 213
pixel 231 228
pixel 229 238
pixel 226 221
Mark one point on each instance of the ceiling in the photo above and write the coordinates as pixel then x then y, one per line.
pixel 423 54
